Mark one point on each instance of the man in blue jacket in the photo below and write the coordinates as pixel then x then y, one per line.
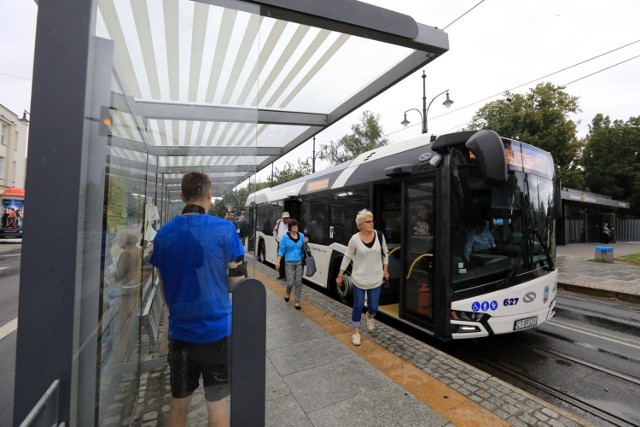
pixel 200 258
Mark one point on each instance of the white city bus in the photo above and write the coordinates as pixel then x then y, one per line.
pixel 438 284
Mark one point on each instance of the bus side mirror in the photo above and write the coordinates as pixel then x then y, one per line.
pixel 487 146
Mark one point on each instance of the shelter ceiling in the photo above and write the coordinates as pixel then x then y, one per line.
pixel 227 86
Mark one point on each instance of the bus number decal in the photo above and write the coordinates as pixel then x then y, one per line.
pixel 484 305
pixel 510 301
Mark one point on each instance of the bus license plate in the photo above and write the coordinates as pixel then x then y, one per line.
pixel 525 323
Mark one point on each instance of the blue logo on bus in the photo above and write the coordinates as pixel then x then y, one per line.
pixel 484 305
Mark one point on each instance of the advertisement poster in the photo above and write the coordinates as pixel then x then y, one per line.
pixel 12 217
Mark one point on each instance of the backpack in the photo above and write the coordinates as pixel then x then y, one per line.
pixel 275 229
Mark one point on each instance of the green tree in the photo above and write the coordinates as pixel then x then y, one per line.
pixel 290 172
pixel 366 135
pixel 540 118
pixel 218 208
pixel 611 159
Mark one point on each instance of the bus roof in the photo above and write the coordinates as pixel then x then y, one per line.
pixel 367 167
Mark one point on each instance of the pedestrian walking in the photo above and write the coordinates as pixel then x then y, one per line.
pixel 291 254
pixel 369 257
pixel 281 228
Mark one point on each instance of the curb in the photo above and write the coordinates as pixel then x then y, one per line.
pixel 604 293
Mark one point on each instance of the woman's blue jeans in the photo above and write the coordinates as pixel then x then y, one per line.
pixel 373 298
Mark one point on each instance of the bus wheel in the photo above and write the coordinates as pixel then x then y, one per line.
pixel 261 257
pixel 345 292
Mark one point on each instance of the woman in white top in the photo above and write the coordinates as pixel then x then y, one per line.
pixel 369 268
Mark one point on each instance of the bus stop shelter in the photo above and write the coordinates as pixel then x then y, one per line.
pixel 127 97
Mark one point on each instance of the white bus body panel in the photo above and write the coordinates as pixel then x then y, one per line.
pixel 535 298
pixel 322 256
pixel 270 247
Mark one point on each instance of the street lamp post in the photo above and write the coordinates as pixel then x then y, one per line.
pixel 425 108
pixel 314 156
pixel 24 118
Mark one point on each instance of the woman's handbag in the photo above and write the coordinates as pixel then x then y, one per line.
pixel 309 262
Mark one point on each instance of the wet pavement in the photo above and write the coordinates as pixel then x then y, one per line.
pixel 578 271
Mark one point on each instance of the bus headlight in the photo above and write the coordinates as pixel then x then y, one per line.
pixel 468 316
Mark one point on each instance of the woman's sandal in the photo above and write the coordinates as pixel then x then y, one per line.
pixel 297 306
pixel 286 298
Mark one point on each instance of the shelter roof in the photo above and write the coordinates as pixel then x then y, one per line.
pixel 228 86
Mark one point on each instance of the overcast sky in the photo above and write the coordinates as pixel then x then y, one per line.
pixel 499 45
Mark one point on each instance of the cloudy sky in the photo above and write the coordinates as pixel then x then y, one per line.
pixel 497 45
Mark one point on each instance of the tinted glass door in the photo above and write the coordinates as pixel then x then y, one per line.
pixel 416 302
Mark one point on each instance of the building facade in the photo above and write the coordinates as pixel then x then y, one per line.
pixel 583 215
pixel 13 149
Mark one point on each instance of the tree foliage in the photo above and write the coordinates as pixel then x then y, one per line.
pixel 540 118
pixel 366 135
pixel 611 159
pixel 289 172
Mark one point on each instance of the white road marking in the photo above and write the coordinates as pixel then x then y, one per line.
pixel 628 343
pixel 8 328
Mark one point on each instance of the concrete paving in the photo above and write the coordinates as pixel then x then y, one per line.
pixel 578 271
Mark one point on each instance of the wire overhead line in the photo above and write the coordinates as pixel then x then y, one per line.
pixel 549 75
pixel 452 22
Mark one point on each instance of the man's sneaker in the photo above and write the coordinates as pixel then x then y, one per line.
pixel 355 339
pixel 370 323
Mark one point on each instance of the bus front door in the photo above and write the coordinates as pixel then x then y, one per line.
pixel 416 301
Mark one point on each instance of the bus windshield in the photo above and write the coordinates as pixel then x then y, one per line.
pixel 502 234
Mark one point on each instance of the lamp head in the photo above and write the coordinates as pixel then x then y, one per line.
pixel 447 102
pixel 405 122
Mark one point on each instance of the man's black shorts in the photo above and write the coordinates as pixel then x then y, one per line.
pixel 187 361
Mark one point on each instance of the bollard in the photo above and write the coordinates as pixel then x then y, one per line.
pixel 604 254
pixel 248 353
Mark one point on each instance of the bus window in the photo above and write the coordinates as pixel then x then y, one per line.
pixel 315 221
pixel 343 208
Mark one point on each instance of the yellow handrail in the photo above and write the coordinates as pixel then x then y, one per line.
pixel 414 263
pixel 393 250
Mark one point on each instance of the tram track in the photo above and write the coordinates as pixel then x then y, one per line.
pixel 601 414
pixel 625 313
pixel 585 363
pixel 594 403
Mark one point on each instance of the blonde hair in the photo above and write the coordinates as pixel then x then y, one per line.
pixel 361 217
pixel 127 237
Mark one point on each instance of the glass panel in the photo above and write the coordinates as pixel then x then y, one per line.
pixel 389 214
pixel 506 229
pixel 316 211
pixel 343 208
pixel 419 254
pixel 158 67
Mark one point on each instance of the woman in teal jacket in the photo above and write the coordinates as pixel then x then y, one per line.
pixel 291 249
